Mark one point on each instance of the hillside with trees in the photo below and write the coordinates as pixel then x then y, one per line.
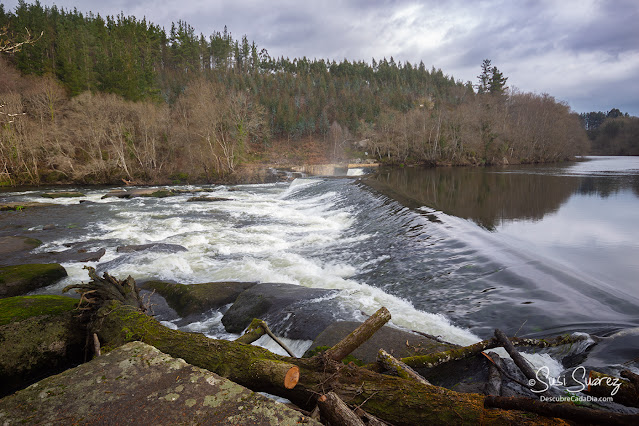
pixel 612 133
pixel 97 99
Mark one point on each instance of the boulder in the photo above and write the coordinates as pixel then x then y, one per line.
pixel 21 206
pixel 137 384
pixel 398 343
pixel 40 335
pixel 17 244
pixel 20 279
pixel 158 247
pixel 73 255
pixel 207 199
pixel 63 194
pixel 197 298
pixel 144 192
pixel 290 310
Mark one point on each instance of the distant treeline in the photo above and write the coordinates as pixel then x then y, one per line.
pixel 612 133
pixel 98 98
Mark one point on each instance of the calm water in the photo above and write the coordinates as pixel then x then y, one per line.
pixel 454 252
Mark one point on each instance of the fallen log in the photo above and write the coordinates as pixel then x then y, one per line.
pixel 253 332
pixel 520 361
pixel 358 336
pixel 399 368
pixel 493 384
pixel 456 354
pixel 603 385
pixel 571 412
pixel 392 399
pixel 336 412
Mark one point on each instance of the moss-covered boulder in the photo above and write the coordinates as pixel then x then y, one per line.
pixel 138 384
pixel 63 195
pixel 20 279
pixel 5 207
pixel 17 244
pixel 197 298
pixel 39 336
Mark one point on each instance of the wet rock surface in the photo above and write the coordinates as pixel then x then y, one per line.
pixel 39 336
pixel 17 244
pixel 197 298
pixel 20 279
pixel 137 384
pixel 290 310
pixel 154 247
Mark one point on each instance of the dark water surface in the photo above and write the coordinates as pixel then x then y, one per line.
pixel 554 248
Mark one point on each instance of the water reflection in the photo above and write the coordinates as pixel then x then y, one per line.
pixel 494 195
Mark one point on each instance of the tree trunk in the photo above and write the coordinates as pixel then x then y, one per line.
pixel 392 399
pixel 336 411
pixel 358 336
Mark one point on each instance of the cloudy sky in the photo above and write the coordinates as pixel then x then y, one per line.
pixel 583 52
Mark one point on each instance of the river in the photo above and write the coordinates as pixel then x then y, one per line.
pixel 454 252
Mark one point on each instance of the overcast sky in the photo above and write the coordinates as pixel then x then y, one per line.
pixel 583 52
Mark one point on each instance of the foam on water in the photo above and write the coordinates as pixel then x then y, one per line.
pixel 264 233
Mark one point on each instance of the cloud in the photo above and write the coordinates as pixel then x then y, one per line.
pixel 584 52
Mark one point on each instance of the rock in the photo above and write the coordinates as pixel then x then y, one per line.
pixel 208 199
pixel 17 244
pixel 290 310
pixel 159 247
pixel 197 298
pixel 137 384
pixel 22 206
pixel 146 192
pixel 68 256
pixel 40 335
pixel 20 279
pixel 63 194
pixel 396 342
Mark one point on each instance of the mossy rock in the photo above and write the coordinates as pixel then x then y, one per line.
pixel 17 308
pixel 63 194
pixel 20 279
pixel 16 207
pixel 197 298
pixel 15 244
pixel 39 336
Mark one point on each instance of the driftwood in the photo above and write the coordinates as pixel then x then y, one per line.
pixel 358 336
pixel 256 329
pixel 336 412
pixel 398 368
pixel 391 399
pixel 96 345
pixel 493 384
pixel 253 332
pixel 519 360
pixel 622 391
pixel 101 290
pixel 456 354
pixel 571 412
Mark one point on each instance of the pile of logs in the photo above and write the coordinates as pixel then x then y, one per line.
pixel 387 392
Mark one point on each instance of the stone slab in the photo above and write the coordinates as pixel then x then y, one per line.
pixel 137 384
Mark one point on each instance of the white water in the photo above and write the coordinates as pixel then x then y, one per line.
pixel 265 233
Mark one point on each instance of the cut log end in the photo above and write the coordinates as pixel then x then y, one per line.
pixel 292 377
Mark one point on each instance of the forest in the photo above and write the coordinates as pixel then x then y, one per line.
pixel 94 99
pixel 612 133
